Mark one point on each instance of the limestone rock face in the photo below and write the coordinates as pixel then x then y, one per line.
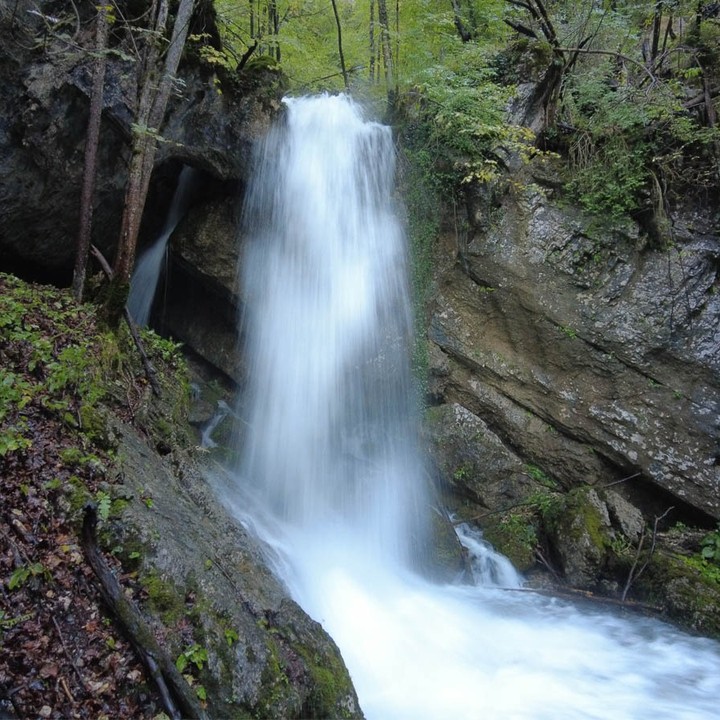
pixel 202 303
pixel 266 657
pixel 44 101
pixel 582 349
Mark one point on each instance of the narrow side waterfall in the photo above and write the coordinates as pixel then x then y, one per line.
pixel 332 479
pixel 148 267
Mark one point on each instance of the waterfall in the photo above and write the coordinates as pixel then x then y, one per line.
pixel 147 270
pixel 332 438
pixel 331 476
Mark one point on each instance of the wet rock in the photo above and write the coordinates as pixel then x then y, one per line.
pixel 206 581
pixel 624 515
pixel 472 460
pixel 586 350
pixel 581 533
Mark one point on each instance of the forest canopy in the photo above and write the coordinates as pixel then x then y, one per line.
pixel 625 91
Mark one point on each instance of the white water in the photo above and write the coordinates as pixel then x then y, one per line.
pixel 334 478
pixel 146 274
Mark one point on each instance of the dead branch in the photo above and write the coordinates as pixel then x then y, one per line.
pixel 569 593
pixel 632 575
pixel 621 480
pixel 611 53
pixel 169 681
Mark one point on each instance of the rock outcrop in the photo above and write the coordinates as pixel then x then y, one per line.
pixel 575 369
pixel 584 351
pixel 44 100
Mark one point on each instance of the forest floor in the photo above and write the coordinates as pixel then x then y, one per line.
pixel 61 653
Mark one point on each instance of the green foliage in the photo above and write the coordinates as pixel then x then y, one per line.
pixel 632 135
pixel 540 476
pixel 162 348
pixel 462 121
pixel 59 367
pixel 192 655
pixel 22 574
pixel 711 546
pixel 231 636
pixel 709 571
pixel 515 535
pixel 104 503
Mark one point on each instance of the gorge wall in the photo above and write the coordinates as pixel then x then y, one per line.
pixel 574 378
pixel 585 351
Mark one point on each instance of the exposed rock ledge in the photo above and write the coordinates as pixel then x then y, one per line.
pixel 277 662
pixel 585 352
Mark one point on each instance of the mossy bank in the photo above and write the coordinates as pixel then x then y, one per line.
pixel 79 423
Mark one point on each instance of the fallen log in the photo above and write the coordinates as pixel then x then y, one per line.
pixel 177 696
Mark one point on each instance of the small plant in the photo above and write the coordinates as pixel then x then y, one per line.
pixel 103 504
pixel 22 574
pixel 163 348
pixel 711 546
pixel 540 476
pixel 193 654
pixel 462 473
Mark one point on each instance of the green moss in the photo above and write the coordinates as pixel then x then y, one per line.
pixel 163 597
pixel 331 684
pixel 689 595
pixel 77 494
pixel 515 535
pixel 275 683
pixel 580 518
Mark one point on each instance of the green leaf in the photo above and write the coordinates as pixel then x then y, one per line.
pixel 19 577
pixel 103 505
pixel 181 662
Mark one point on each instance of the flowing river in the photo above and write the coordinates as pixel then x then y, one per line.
pixel 332 477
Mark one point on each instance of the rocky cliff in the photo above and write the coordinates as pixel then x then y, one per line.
pixel 574 368
pixel 583 349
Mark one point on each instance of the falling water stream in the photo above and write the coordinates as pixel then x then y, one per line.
pixel 332 470
pixel 146 275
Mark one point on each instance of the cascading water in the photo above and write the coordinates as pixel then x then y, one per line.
pixel 333 479
pixel 146 274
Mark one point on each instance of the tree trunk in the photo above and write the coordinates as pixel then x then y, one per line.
pixel 463 32
pixel 373 49
pixel 386 50
pixel 657 22
pixel 91 147
pixel 274 27
pixel 152 106
pixel 340 46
